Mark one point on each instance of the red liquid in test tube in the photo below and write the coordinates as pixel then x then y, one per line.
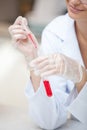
pixel 47 88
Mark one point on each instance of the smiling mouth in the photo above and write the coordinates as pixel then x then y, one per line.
pixel 74 10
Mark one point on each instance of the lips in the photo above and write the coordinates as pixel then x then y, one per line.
pixel 74 9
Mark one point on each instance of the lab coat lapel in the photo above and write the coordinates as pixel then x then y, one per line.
pixel 70 46
pixel 78 108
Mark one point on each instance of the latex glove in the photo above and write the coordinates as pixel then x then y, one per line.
pixel 57 64
pixel 19 32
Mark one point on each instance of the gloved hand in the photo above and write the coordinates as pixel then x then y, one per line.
pixel 19 32
pixel 57 64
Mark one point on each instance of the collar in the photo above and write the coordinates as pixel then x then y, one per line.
pixel 67 29
pixel 62 26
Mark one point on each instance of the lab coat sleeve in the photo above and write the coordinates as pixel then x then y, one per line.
pixel 47 112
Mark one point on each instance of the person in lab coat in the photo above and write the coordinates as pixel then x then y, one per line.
pixel 61 60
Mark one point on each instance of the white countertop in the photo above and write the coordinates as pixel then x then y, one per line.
pixel 13 118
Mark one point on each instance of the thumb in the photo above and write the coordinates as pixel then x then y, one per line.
pixel 24 21
pixel 18 20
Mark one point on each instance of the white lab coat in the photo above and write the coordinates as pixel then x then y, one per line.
pixel 51 112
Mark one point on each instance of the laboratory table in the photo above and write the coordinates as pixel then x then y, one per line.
pixel 13 118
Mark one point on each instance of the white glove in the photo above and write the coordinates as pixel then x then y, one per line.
pixel 19 32
pixel 57 64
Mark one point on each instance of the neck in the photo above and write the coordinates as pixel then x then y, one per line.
pixel 81 28
pixel 81 32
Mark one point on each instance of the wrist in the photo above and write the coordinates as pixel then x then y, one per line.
pixel 28 60
pixel 35 80
pixel 82 82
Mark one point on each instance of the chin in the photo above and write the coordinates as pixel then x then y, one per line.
pixel 75 16
pixel 81 17
pixel 72 15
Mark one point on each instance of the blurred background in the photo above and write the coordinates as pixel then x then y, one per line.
pixel 13 72
pixel 38 12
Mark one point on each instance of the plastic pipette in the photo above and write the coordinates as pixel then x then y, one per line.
pixel 30 36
